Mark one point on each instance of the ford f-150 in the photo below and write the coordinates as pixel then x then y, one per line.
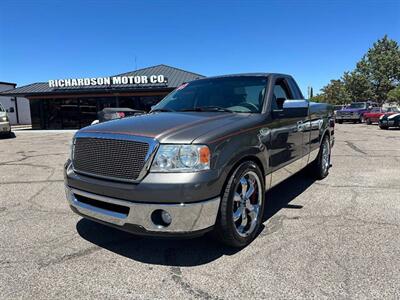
pixel 201 160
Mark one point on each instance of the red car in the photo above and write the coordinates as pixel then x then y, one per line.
pixel 375 113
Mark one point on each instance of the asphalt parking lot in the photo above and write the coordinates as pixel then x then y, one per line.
pixel 338 237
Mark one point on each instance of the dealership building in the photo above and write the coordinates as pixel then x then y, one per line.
pixel 74 103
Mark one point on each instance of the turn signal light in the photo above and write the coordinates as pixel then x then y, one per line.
pixel 204 155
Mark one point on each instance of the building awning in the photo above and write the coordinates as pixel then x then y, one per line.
pixel 174 78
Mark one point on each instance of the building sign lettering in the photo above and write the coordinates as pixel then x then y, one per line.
pixel 114 80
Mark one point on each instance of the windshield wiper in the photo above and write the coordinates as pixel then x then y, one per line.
pixel 208 108
pixel 162 110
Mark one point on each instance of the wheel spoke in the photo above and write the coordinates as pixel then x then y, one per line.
pixel 249 206
pixel 244 218
pixel 251 188
pixel 254 213
pixel 243 183
pixel 243 224
pixel 238 213
pixel 236 197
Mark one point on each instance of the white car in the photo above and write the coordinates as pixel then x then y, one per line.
pixel 5 127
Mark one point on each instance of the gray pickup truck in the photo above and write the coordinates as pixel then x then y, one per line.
pixel 201 160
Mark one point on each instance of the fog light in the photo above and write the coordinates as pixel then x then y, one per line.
pixel 166 217
pixel 161 218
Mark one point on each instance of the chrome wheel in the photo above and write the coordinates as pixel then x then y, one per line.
pixel 247 202
pixel 325 156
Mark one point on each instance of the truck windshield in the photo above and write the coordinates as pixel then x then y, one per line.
pixel 230 94
pixel 358 105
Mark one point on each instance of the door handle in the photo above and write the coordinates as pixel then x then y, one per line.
pixel 300 126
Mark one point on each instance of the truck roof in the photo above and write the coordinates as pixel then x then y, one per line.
pixel 260 74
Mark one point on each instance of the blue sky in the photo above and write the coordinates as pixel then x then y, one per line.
pixel 315 41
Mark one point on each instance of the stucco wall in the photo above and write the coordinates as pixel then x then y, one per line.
pixel 24 112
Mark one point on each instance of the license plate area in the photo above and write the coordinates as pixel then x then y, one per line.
pixel 115 208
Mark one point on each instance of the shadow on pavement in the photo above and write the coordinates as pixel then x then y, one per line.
pixel 6 136
pixel 280 196
pixel 185 252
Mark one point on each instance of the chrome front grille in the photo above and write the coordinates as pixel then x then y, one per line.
pixel 118 159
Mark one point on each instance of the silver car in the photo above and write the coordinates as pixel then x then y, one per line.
pixel 5 128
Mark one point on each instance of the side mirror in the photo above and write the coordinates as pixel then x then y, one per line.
pixel 10 110
pixel 279 102
pixel 292 109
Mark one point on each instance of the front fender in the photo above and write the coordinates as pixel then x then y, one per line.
pixel 230 152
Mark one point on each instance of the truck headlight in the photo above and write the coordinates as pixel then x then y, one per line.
pixel 71 149
pixel 4 119
pixel 181 158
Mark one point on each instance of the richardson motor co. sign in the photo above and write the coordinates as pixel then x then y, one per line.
pixel 153 79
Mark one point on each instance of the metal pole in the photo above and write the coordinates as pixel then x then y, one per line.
pixel 16 109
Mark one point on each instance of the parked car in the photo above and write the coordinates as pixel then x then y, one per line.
pixel 109 113
pixel 337 108
pixel 201 160
pixel 354 112
pixel 389 120
pixel 5 127
pixel 374 114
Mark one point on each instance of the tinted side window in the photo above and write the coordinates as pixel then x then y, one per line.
pixel 281 91
pixel 295 89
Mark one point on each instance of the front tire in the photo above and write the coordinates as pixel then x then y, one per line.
pixel 340 121
pixel 383 127
pixel 242 205
pixel 368 121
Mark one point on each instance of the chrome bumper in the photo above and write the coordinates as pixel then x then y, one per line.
pixel 186 217
pixel 347 117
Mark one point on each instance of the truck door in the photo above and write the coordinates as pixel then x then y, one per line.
pixel 287 135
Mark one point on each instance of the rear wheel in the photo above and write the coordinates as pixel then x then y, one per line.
pixel 242 206
pixel 368 121
pixel 320 167
pixel 340 121
pixel 383 127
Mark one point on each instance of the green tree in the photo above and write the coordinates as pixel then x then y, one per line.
pixel 394 94
pixel 318 98
pixel 335 92
pixel 358 86
pixel 381 67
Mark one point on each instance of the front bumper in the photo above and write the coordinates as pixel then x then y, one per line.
pixel 347 117
pixel 5 127
pixel 187 218
pixel 388 123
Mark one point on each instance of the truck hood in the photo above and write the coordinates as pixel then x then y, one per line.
pixel 168 127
